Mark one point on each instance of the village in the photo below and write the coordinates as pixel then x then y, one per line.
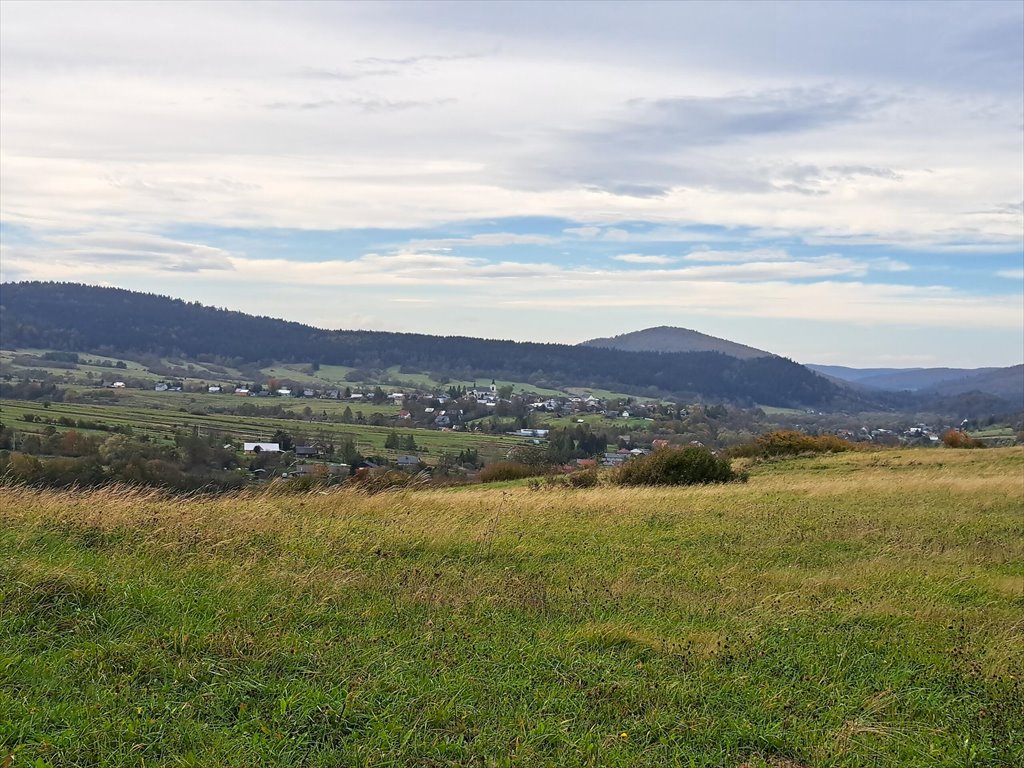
pixel 632 427
pixel 467 408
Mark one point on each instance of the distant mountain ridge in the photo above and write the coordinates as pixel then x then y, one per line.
pixel 665 338
pixel 82 318
pixel 1003 382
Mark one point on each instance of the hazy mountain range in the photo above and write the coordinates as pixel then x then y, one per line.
pixel 1002 382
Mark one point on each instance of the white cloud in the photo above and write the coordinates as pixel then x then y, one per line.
pixel 1011 274
pixel 491 239
pixel 643 258
pixel 889 265
pixel 756 254
pixel 109 127
pixel 108 252
pixel 615 235
pixel 583 231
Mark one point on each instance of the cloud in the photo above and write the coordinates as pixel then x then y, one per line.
pixel 489 239
pixel 1003 209
pixel 642 258
pixel 700 121
pixel 653 145
pixel 889 265
pixel 775 269
pixel 757 254
pixel 381 105
pixel 411 61
pixel 1011 274
pixel 407 264
pixel 302 105
pixel 632 190
pixel 770 138
pixel 342 75
pixel 583 231
pixel 92 252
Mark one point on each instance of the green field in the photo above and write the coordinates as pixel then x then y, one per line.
pixel 204 402
pixel 135 410
pixel 862 609
pixel 598 422
pixel 327 377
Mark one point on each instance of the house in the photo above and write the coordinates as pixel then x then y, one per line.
pixel 213 390
pixel 443 419
pixel 161 387
pixel 284 392
pixel 614 459
pixel 117 385
pixel 241 391
pixel 530 433
pixel 404 415
pixel 356 396
pixel 408 462
pixel 306 451
pixel 547 405
pixel 261 447
pixel 308 393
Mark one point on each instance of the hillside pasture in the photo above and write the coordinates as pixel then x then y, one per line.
pixel 163 424
pixel 847 610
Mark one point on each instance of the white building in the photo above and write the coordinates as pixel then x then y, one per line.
pixel 261 447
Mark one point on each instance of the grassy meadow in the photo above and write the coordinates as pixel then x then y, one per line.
pixel 137 411
pixel 90 369
pixel 862 609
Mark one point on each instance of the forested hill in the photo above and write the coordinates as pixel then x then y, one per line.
pixel 668 339
pixel 76 317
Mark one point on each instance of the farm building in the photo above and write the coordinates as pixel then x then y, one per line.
pixel 261 447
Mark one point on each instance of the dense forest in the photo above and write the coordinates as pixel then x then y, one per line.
pixel 68 316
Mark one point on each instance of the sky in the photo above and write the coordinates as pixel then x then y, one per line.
pixel 839 183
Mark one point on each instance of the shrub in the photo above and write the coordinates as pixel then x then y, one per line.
pixel 581 478
pixel 954 438
pixel 672 466
pixel 507 470
pixel 787 442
